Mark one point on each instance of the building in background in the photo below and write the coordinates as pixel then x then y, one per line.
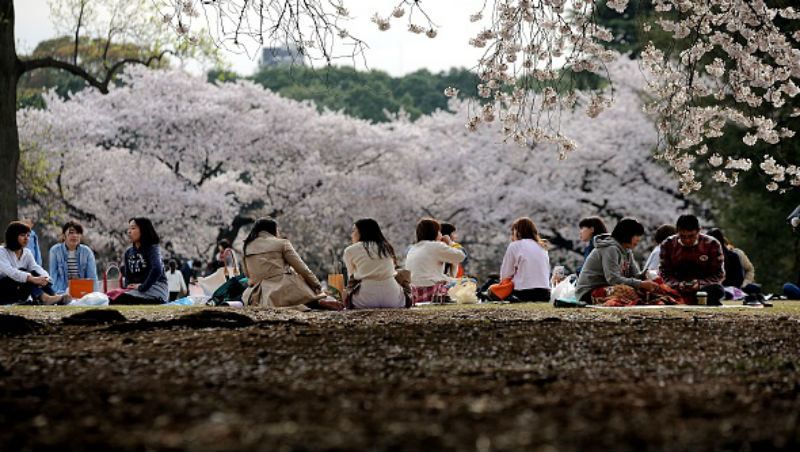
pixel 279 56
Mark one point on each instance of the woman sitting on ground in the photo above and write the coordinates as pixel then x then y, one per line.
pixel 143 267
pixel 20 276
pixel 276 274
pixel 611 270
pixel 371 262
pixel 71 259
pixel 426 260
pixel 527 263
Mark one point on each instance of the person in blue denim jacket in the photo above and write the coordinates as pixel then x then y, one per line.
pixel 71 259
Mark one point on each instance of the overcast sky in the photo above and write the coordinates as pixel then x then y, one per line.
pixel 396 51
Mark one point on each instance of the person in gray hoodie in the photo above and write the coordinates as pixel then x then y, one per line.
pixel 611 262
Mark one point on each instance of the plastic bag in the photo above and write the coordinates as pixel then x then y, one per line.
pixel 91 299
pixel 185 301
pixel 464 291
pixel 565 290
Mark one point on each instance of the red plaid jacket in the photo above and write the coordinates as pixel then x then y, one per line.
pixel 703 261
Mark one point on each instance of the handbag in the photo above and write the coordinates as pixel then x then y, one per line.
pixel 111 282
pixel 501 290
pixel 403 277
pixel 231 290
pixel 80 287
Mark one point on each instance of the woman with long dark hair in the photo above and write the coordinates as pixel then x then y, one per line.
pixel 20 276
pixel 143 267
pixel 276 274
pixel 370 263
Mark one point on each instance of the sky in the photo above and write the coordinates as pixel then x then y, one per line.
pixel 395 51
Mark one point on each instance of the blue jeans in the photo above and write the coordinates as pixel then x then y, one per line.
pixel 12 292
pixel 791 291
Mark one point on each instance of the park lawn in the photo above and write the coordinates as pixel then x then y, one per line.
pixel 455 377
pixel 779 308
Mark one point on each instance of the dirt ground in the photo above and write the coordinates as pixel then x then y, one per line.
pixel 522 377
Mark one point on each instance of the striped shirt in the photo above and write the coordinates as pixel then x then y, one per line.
pixel 72 265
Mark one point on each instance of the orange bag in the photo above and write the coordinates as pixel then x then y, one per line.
pixel 503 289
pixel 80 287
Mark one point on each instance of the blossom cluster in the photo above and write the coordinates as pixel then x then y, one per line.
pixel 738 63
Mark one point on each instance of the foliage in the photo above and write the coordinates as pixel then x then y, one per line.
pixel 32 85
pixel 753 219
pixel 367 95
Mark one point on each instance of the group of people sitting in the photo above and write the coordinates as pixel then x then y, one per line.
pixel 684 263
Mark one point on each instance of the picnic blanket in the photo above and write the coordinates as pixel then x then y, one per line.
pixel 680 306
pixel 622 295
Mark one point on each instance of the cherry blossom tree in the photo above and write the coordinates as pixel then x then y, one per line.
pixel 202 159
pixel 733 55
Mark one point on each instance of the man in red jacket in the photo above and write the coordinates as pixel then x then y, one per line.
pixel 692 262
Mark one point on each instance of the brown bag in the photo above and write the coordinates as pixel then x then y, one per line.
pixel 403 277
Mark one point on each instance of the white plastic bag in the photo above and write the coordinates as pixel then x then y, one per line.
pixel 464 291
pixel 91 299
pixel 565 290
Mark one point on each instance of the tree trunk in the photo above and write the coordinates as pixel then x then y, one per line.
pixel 9 136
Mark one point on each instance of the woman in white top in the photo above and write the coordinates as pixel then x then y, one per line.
pixel 527 263
pixel 20 276
pixel 370 263
pixel 175 282
pixel 426 260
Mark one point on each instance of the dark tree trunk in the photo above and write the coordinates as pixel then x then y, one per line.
pixel 9 137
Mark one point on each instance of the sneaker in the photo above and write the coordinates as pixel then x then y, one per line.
pixel 752 300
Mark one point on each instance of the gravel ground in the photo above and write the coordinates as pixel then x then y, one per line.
pixel 489 377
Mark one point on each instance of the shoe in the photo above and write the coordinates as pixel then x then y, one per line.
pixel 568 304
pixel 751 300
pixel 65 300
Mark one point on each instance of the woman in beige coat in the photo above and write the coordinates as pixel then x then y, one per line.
pixel 276 274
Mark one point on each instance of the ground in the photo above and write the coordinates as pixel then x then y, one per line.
pixel 456 378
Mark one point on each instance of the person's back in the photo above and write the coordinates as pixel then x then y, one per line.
pixel 426 260
pixel 370 262
pixel 527 263
pixel 734 272
pixel 365 263
pixel 266 261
